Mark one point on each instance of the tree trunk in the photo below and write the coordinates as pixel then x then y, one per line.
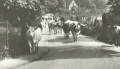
pixel 24 44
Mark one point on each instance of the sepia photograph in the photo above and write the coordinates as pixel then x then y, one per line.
pixel 59 34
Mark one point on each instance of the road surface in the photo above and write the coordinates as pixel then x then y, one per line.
pixel 65 54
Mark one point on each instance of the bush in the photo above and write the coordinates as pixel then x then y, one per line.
pixel 93 29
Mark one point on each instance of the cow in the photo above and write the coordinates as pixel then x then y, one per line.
pixel 51 27
pixel 75 29
pixel 33 35
pixel 66 29
pixel 115 31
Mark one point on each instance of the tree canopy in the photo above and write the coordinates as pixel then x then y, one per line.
pixel 115 8
pixel 100 4
pixel 30 9
pixel 15 10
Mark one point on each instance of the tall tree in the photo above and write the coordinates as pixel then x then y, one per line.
pixel 21 11
pixel 52 5
pixel 115 8
pixel 61 3
pixel 100 4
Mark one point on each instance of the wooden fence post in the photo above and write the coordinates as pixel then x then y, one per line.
pixel 7 33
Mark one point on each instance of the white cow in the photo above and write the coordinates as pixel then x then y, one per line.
pixel 34 35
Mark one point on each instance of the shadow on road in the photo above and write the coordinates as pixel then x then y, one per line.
pixel 64 40
pixel 79 52
pixel 30 56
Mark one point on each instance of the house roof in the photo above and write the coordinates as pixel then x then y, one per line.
pixel 68 2
pixel 72 4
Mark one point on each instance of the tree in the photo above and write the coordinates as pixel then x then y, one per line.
pixel 55 5
pixel 61 3
pixel 64 10
pixel 115 8
pixel 51 5
pixel 21 11
pixel 100 4
pixel 74 9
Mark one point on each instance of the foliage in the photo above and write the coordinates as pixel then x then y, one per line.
pixel 22 8
pixel 53 5
pixel 61 3
pixel 100 4
pixel 85 3
pixel 64 10
pixel 94 5
pixel 18 12
pixel 80 10
pixel 115 8
pixel 95 11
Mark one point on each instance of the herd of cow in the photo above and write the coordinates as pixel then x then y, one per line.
pixel 34 34
pixel 67 26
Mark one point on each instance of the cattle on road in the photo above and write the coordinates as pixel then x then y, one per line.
pixel 116 35
pixel 75 29
pixel 72 26
pixel 66 29
pixel 34 35
pixel 51 27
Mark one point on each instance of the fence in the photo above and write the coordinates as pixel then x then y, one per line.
pixel 83 19
pixel 4 40
pixel 9 39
